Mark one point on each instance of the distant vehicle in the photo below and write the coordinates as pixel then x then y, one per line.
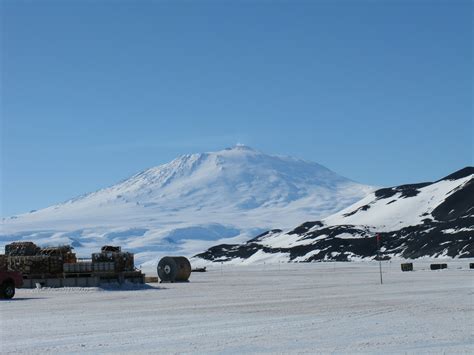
pixel 9 280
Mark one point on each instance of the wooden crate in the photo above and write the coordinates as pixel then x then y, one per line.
pixel 151 279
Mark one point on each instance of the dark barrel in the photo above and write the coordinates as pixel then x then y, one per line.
pixel 407 267
pixel 174 268
pixel 438 266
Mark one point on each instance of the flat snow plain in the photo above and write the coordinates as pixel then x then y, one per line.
pixel 282 308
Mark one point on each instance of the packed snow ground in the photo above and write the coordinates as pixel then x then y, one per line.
pixel 282 308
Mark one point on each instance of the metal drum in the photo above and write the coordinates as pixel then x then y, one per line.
pixel 174 268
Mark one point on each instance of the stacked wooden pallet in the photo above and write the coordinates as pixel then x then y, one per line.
pixel 63 251
pixel 21 249
pixel 29 259
pixel 123 261
pixel 35 264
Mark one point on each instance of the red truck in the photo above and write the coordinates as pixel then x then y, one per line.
pixel 9 280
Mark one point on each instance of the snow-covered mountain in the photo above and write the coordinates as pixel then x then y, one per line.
pixel 191 203
pixel 420 220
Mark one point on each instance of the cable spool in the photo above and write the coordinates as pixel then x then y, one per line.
pixel 174 268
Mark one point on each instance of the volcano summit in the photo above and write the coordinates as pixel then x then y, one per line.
pixel 191 203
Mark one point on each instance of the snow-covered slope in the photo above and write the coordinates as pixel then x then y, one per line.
pixel 427 219
pixel 191 203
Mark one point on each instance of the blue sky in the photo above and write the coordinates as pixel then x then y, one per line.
pixel 95 91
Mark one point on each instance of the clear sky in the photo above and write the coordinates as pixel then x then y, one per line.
pixel 95 91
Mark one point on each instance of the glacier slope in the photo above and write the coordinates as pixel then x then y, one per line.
pixel 191 203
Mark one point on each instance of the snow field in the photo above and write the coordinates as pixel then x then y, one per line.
pixel 264 308
pixel 401 212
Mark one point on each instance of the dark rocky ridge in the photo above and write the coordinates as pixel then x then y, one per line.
pixel 447 231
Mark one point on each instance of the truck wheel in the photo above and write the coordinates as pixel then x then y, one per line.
pixel 7 290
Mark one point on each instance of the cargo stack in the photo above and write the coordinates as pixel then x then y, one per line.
pixel 33 261
pixel 64 252
pixel 21 249
pixel 32 265
pixel 59 266
pixel 123 261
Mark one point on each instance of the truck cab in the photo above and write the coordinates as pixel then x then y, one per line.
pixel 9 280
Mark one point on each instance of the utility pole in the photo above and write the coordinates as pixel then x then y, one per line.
pixel 378 257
